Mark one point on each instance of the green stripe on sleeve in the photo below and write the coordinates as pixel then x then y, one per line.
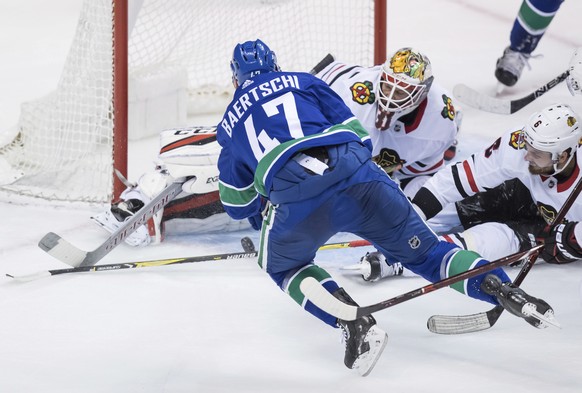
pixel 236 197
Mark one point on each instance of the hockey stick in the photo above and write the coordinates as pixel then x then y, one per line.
pixel 327 60
pixel 65 252
pixel 505 107
pixel 133 265
pixel 451 324
pixel 248 246
pixel 319 296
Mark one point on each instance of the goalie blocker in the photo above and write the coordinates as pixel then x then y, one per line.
pixel 189 153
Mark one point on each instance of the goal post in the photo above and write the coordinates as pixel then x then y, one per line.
pixel 136 67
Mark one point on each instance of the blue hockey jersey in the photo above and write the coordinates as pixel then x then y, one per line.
pixel 272 117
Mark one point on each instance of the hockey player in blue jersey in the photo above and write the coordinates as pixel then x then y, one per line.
pixel 297 164
pixel 529 26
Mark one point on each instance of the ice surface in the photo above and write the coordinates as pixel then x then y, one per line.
pixel 224 326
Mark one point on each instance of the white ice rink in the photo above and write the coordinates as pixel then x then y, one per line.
pixel 224 326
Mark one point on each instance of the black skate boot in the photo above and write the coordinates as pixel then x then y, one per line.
pixel 510 65
pixel 364 340
pixel 535 311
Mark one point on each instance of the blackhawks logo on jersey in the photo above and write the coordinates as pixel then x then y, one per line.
pixel 362 92
pixel 516 140
pixel 389 160
pixel 448 111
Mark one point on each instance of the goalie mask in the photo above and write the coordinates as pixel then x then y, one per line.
pixel 554 129
pixel 405 81
pixel 252 58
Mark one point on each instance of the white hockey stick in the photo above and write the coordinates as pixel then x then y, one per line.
pixel 65 252
pixel 497 105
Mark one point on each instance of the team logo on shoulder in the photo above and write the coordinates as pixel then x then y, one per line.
pixel 414 242
pixel 389 160
pixel 448 111
pixel 547 212
pixel 516 140
pixel 362 92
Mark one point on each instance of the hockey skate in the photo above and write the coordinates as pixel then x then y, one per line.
pixel 373 267
pixel 535 311
pixel 510 65
pixel 364 340
pixel 119 212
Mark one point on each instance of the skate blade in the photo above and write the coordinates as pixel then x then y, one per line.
pixel 548 318
pixel 378 340
pixel 357 267
pixel 500 88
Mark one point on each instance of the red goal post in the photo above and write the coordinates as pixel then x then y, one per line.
pixel 135 68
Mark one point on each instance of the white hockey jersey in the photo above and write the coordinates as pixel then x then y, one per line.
pixel 504 160
pixel 420 146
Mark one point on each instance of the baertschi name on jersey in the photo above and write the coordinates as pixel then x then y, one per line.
pixel 247 99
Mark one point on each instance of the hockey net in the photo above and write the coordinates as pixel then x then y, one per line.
pixel 64 144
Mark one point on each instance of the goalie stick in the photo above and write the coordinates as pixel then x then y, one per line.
pixel 458 324
pixel 246 242
pixel 318 295
pixel 497 105
pixel 65 252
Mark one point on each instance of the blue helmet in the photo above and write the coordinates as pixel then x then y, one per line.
pixel 252 58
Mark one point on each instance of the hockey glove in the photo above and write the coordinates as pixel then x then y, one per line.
pixel 561 246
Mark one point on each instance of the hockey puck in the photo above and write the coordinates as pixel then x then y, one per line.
pixel 247 244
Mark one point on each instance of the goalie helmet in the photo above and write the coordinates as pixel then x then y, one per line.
pixel 405 81
pixel 252 58
pixel 554 130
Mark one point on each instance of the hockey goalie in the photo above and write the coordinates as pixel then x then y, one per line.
pixel 188 155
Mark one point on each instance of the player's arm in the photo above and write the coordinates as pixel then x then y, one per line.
pixel 236 187
pixel 478 173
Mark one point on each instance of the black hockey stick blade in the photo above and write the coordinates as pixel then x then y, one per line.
pixel 486 103
pixel 65 252
pixel 319 296
pixel 327 60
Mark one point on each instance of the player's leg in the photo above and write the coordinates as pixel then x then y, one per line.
pixel 529 26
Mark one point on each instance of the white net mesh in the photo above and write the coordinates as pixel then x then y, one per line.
pixel 65 140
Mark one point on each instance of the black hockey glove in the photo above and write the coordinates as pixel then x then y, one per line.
pixel 561 246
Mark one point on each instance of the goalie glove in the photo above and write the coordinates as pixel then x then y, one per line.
pixel 561 246
pixel 574 80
